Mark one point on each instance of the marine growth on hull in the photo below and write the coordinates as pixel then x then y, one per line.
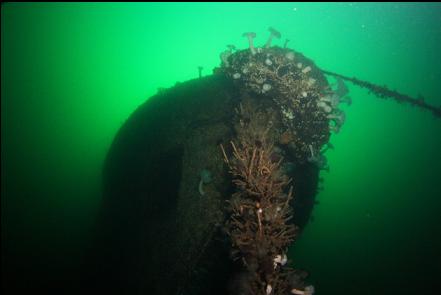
pixel 283 119
pixel 295 90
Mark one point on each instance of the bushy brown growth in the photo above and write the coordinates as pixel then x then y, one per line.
pixel 260 211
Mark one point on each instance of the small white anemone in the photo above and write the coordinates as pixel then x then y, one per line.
pixel 299 65
pixel 266 87
pixel 306 70
pixel 284 260
pixel 311 82
pixel 224 57
pixel 250 36
pixel 268 289
pixel 289 55
pixel 236 76
pixel 324 106
pixel 288 113
pixel 268 62
pixel 304 93
pixel 279 259
pixel 259 80
pixel 309 290
pixel 274 33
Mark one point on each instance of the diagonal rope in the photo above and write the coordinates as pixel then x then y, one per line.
pixel 384 92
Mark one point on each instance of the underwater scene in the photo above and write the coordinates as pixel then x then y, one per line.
pixel 221 148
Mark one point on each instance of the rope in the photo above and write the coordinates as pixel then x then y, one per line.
pixel 384 92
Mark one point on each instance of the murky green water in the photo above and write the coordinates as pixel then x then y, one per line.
pixel 73 73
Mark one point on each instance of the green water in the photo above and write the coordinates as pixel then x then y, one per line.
pixel 71 74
